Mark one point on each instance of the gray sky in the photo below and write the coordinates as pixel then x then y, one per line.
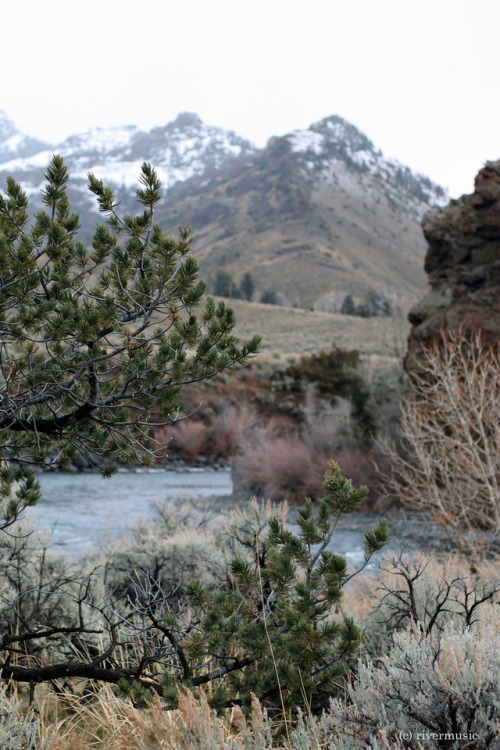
pixel 421 79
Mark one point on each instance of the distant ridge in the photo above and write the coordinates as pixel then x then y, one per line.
pixel 315 215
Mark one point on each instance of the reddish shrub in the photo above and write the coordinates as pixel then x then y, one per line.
pixel 280 468
pixel 189 438
pixel 228 430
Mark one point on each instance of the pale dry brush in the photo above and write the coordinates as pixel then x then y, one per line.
pixel 450 431
pixel 441 682
pixel 419 589
pixel 19 729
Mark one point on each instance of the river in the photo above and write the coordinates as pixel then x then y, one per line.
pixel 79 509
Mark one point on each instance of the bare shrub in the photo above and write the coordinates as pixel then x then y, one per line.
pixel 286 461
pixel 421 590
pixel 283 468
pixel 189 438
pixel 328 427
pixel 176 546
pixel 228 429
pixel 450 432
pixel 218 434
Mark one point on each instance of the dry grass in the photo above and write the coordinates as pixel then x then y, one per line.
pixel 111 722
pixel 289 331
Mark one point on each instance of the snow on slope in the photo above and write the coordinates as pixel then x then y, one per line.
pixel 327 147
pixel 331 150
pixel 179 150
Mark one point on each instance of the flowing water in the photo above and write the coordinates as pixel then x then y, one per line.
pixel 79 509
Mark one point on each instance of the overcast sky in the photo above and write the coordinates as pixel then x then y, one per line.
pixel 421 79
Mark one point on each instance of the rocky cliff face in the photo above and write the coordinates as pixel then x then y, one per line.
pixel 463 265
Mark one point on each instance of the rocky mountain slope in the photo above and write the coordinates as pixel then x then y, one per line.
pixel 315 215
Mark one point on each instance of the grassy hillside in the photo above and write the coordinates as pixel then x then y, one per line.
pixel 287 331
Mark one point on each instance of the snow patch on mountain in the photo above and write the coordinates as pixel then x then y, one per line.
pixel 328 146
pixel 330 150
pixel 101 141
pixel 36 161
pixel 303 141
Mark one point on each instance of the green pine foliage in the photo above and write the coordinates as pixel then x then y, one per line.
pixel 271 629
pixel 97 342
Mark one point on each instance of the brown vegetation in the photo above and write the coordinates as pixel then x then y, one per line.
pixel 450 429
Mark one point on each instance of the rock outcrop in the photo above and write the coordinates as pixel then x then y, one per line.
pixel 463 265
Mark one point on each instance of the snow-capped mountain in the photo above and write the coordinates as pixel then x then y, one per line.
pixel 331 148
pixel 315 211
pixel 317 214
pixel 179 150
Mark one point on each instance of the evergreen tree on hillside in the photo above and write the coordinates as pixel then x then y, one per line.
pixel 247 286
pixel 269 297
pixel 224 285
pixel 348 306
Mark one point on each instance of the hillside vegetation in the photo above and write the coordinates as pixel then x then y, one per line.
pixel 290 331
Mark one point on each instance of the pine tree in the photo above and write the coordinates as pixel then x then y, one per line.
pixel 224 285
pixel 96 342
pixel 348 306
pixel 269 297
pixel 247 286
pixel 274 626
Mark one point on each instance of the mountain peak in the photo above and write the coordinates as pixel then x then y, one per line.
pixel 185 120
pixel 332 145
pixel 336 129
